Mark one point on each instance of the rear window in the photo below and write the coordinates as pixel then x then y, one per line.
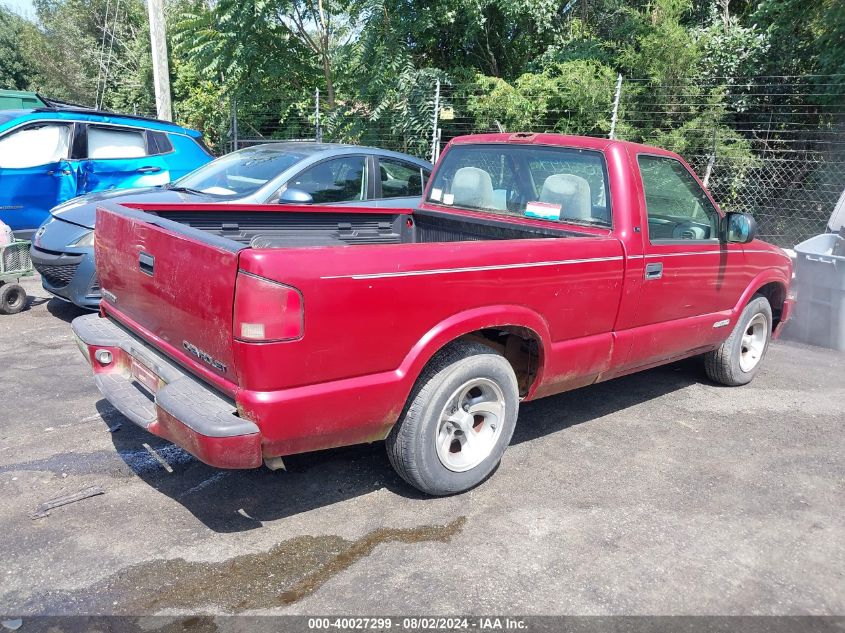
pixel 551 183
pixel 400 178
pixel 158 143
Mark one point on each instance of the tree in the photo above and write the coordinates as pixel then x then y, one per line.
pixel 91 52
pixel 574 97
pixel 284 37
pixel 495 37
pixel 15 70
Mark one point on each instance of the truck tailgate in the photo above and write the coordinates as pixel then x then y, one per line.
pixel 176 282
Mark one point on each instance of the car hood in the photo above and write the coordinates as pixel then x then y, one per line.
pixel 83 210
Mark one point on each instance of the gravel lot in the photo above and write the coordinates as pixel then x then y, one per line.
pixel 657 493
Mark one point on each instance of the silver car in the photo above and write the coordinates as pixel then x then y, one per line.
pixel 274 173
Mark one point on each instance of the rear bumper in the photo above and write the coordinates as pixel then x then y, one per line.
pixel 160 397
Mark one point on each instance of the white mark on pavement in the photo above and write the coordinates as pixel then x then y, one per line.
pixel 205 483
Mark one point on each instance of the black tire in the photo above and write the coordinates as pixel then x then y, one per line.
pixel 411 444
pixel 12 298
pixel 723 365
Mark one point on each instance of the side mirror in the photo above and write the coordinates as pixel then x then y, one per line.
pixel 295 196
pixel 740 228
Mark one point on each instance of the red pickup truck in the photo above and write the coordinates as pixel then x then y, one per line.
pixel 535 264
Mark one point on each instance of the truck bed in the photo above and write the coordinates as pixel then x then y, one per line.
pixel 286 229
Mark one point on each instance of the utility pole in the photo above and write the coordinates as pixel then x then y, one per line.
pixel 161 73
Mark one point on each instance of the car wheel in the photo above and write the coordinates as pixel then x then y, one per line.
pixel 739 358
pixel 12 298
pixel 458 421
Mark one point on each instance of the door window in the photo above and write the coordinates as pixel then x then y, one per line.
pixel 400 179
pixel 34 146
pixel 677 207
pixel 106 142
pixel 339 180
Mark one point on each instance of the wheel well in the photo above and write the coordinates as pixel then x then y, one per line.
pixel 776 294
pixel 520 346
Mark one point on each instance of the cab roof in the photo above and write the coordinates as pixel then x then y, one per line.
pixel 563 140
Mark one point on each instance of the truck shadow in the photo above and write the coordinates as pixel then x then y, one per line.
pixel 240 500
pixel 547 415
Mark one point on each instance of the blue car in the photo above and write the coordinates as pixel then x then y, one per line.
pixel 50 155
pixel 273 173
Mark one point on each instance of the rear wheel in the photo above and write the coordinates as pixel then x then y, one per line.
pixel 12 298
pixel 739 358
pixel 458 422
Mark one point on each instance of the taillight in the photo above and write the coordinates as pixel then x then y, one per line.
pixel 266 310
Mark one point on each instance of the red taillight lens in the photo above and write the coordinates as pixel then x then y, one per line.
pixel 266 310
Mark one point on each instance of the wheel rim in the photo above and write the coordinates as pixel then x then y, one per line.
pixel 753 342
pixel 14 298
pixel 470 424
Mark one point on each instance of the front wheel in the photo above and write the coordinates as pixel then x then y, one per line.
pixel 738 359
pixel 458 422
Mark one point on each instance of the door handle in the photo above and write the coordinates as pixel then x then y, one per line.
pixel 654 271
pixel 146 263
pixel 62 172
pixel 148 170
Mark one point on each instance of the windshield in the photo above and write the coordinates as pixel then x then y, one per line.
pixel 240 173
pixel 551 183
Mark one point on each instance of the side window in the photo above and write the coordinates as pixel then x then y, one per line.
pixel 677 207
pixel 35 145
pixel 109 142
pixel 338 180
pixel 400 179
pixel 158 143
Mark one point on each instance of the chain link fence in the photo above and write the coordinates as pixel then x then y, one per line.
pixel 770 146
pixel 790 197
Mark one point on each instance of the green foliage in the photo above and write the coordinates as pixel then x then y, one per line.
pixel 495 37
pixel 396 113
pixel 15 70
pixel 731 50
pixel 90 51
pixel 574 97
pixel 200 104
pixel 664 50
pixel 831 43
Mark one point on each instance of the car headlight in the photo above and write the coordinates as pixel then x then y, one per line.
pixel 85 240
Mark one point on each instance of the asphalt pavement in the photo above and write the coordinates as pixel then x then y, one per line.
pixel 658 493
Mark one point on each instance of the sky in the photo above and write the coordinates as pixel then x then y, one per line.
pixel 24 7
